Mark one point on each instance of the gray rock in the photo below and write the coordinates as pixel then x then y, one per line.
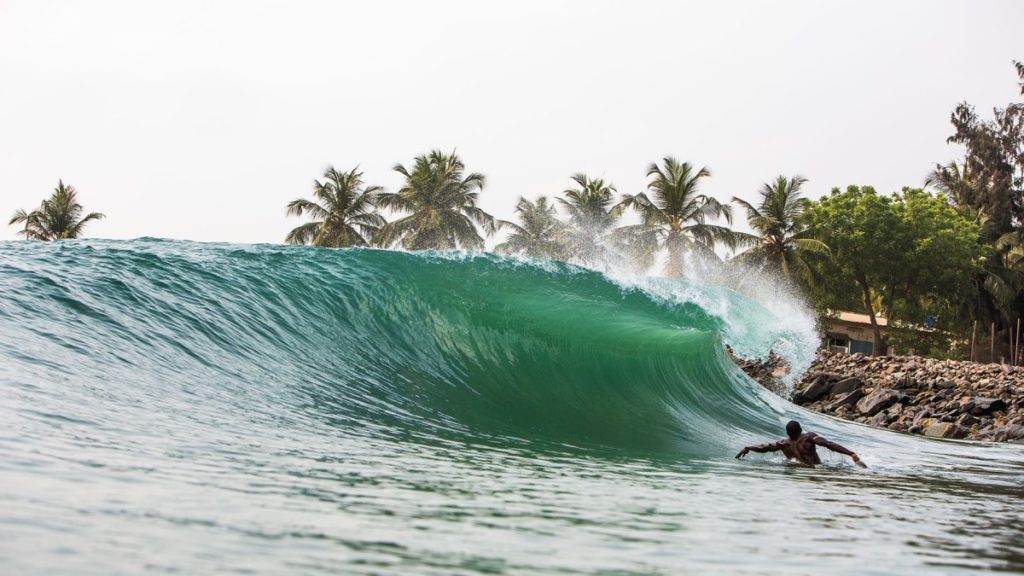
pixel 848 401
pixel 1006 434
pixel 818 389
pixel 878 400
pixel 879 420
pixel 966 420
pixel 905 383
pixel 921 416
pixel 846 386
pixel 983 406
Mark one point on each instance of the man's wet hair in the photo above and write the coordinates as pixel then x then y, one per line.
pixel 793 429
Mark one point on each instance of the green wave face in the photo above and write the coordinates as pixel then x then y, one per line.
pixel 474 347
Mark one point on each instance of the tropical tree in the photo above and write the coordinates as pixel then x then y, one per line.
pixel 674 215
pixel 908 255
pixel 539 234
pixel 785 244
pixel 954 180
pixel 592 214
pixel 59 217
pixel 1001 275
pixel 439 201
pixel 987 186
pixel 343 209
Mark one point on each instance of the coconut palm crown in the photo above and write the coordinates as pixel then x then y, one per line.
pixel 59 217
pixel 592 213
pixel 438 200
pixel 343 209
pixel 957 183
pixel 539 234
pixel 783 244
pixel 674 215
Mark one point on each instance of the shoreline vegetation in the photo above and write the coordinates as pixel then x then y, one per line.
pixel 936 261
pixel 936 398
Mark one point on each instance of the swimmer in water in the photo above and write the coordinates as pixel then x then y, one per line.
pixel 800 447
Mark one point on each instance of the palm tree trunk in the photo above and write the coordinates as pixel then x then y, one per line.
pixel 674 266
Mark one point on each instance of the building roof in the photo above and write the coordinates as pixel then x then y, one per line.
pixel 852 318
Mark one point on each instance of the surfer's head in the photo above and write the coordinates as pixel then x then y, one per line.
pixel 793 429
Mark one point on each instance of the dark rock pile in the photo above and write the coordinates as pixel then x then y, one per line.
pixel 938 398
pixel 769 374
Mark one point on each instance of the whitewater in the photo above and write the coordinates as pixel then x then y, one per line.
pixel 178 407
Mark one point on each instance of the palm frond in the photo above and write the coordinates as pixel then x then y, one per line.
pixel 344 213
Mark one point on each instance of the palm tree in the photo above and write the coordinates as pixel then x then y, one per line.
pixel 675 215
pixel 592 214
pixel 58 218
pixel 539 234
pixel 957 183
pixel 343 209
pixel 784 244
pixel 439 200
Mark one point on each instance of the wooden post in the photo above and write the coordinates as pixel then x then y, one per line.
pixel 992 345
pixel 974 336
pixel 1009 334
pixel 1017 351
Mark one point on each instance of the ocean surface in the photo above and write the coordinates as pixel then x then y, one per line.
pixel 176 407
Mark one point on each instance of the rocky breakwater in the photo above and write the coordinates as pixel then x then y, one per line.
pixel 938 398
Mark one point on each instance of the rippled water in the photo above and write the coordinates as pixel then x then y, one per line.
pixel 190 408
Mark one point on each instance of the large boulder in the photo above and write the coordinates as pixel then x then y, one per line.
pixel 878 400
pixel 846 386
pixel 1008 433
pixel 945 430
pixel 966 420
pixel 848 401
pixel 818 389
pixel 983 406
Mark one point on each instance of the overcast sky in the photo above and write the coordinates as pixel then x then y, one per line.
pixel 201 120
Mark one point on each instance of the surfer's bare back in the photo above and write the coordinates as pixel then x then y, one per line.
pixel 801 447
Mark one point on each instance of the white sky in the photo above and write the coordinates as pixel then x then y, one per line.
pixel 201 120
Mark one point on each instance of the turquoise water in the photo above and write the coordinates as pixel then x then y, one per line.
pixel 197 408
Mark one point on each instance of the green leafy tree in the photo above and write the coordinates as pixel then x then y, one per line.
pixel 675 215
pixel 539 233
pixel 908 255
pixel 785 245
pixel 343 209
pixel 438 200
pixel 59 217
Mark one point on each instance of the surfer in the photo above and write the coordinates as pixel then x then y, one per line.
pixel 800 446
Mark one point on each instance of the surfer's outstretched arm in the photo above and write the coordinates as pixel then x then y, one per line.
pixel 837 448
pixel 761 448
